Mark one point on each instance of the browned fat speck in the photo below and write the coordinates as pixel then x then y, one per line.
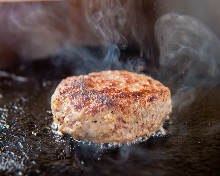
pixel 150 81
pixel 151 99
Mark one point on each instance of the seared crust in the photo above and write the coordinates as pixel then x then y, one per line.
pixel 110 106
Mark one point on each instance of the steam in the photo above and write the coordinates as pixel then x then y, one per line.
pixel 84 60
pixel 189 55
pixel 107 20
pixel 39 30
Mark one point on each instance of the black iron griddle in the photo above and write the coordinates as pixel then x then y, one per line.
pixel 29 147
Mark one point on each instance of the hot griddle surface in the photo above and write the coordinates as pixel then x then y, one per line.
pixel 29 147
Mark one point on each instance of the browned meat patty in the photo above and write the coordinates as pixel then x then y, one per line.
pixel 110 106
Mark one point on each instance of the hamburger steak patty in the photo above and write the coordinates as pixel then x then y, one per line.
pixel 110 106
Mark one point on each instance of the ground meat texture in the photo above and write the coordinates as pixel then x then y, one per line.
pixel 110 106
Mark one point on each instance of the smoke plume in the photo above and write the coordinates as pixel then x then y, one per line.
pixel 189 55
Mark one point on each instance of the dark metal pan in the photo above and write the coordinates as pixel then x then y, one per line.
pixel 29 147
